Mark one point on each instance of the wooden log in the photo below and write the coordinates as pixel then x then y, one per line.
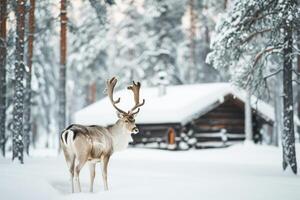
pixel 213 122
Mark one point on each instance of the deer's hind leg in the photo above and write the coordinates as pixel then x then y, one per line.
pixel 81 160
pixel 70 159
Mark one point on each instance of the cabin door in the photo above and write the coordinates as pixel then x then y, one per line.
pixel 171 136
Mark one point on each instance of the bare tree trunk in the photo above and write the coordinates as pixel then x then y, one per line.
pixel 248 118
pixel 288 137
pixel 18 99
pixel 63 62
pixel 3 52
pixel 193 18
pixel 27 102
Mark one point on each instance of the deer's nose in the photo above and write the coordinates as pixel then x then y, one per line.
pixel 135 130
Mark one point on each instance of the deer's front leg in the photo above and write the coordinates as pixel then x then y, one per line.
pixel 104 165
pixel 92 175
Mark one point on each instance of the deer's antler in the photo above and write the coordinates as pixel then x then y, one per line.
pixel 110 85
pixel 135 88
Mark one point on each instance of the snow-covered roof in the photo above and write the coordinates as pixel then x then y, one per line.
pixel 180 104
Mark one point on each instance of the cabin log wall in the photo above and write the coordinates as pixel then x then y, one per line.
pixel 222 126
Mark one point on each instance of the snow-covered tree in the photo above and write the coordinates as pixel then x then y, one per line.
pixel 298 70
pixel 130 41
pixel 10 62
pixel 3 50
pixel 198 26
pixel 63 66
pixel 45 75
pixel 163 23
pixel 208 10
pixel 18 100
pixel 28 74
pixel 248 37
pixel 88 51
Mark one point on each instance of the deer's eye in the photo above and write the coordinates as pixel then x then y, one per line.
pixel 126 121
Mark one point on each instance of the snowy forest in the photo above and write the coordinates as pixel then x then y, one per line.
pixel 227 72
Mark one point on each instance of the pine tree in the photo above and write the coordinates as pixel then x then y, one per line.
pixel 63 63
pixel 3 53
pixel 207 10
pixel 288 136
pixel 27 102
pixel 192 44
pixel 163 23
pixel 88 52
pixel 298 70
pixel 130 42
pixel 251 34
pixel 18 99
pixel 44 97
pixel 194 47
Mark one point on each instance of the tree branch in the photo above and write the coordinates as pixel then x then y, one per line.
pixel 297 73
pixel 266 50
pixel 272 74
pixel 296 81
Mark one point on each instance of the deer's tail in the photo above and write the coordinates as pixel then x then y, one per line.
pixel 67 137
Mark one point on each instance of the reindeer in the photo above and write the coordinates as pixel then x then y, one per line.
pixel 97 143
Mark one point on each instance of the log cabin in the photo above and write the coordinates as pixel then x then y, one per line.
pixel 188 116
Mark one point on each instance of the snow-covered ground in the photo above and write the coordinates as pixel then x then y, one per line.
pixel 239 172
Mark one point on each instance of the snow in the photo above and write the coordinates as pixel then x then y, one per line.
pixel 247 172
pixel 179 105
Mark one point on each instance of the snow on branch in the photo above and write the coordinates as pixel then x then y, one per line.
pixel 252 35
pixel 251 18
pixel 296 81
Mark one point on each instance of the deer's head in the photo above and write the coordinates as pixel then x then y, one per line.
pixel 126 119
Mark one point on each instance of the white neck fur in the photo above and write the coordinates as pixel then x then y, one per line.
pixel 121 137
